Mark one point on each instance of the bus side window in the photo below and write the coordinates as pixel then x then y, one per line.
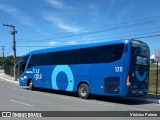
pixel 32 61
pixel 22 68
pixel 30 65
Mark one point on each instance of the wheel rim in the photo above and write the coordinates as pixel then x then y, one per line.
pixel 30 84
pixel 83 91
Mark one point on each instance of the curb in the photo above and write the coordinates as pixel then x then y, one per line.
pixel 16 82
pixel 156 100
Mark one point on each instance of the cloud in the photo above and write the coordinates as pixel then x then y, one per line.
pixel 24 19
pixel 55 3
pixel 66 43
pixel 72 42
pixel 53 43
pixel 61 24
pixel 67 27
pixel 62 43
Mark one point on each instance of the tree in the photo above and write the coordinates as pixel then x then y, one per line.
pixel 9 60
pixel 1 61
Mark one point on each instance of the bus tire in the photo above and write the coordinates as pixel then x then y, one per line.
pixel 83 91
pixel 31 85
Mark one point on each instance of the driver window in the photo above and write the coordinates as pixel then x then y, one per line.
pixel 22 67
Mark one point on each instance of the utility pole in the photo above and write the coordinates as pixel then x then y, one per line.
pixel 3 55
pixel 14 46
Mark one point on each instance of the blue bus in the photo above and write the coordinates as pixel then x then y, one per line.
pixel 114 68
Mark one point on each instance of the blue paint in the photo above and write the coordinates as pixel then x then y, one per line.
pixel 62 81
pixel 60 77
pixel 141 77
pixel 65 69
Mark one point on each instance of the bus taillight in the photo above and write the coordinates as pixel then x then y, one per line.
pixel 128 80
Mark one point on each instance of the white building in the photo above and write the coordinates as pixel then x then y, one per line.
pixel 152 58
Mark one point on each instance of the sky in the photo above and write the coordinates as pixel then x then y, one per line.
pixel 52 23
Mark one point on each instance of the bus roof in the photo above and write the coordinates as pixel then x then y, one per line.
pixel 71 47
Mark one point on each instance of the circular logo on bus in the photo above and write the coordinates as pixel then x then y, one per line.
pixel 57 78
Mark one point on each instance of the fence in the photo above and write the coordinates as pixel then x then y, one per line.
pixel 8 69
pixel 152 81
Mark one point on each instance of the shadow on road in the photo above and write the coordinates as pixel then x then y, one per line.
pixel 119 100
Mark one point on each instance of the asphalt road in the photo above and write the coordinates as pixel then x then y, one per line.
pixel 16 98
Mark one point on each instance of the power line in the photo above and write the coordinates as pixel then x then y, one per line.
pixel 100 27
pixel 118 37
pixel 158 35
pixel 147 36
pixel 133 36
pixel 34 46
pixel 135 23
pixel 94 32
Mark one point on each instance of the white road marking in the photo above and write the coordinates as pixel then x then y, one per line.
pixel 58 96
pixel 63 97
pixel 94 102
pixel 16 82
pixel 138 109
pixel 106 104
pixel 21 102
pixel 15 89
pixel 81 100
pixel 77 99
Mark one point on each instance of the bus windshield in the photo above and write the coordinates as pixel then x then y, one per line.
pixel 21 65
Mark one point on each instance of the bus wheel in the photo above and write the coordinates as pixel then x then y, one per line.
pixel 31 85
pixel 83 91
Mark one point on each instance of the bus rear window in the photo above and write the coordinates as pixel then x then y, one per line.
pixel 140 49
pixel 141 60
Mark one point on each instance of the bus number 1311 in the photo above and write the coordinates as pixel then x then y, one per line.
pixel 118 69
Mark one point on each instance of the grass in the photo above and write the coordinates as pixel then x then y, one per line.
pixel 153 77
pixel 152 65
